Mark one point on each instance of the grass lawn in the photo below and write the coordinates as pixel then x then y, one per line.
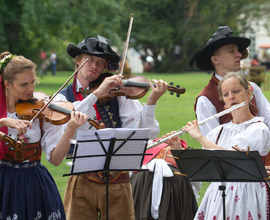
pixel 171 112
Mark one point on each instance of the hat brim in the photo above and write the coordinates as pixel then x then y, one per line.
pixel 203 60
pixel 73 51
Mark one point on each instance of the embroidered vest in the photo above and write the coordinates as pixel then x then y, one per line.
pixel 68 93
pixel 109 112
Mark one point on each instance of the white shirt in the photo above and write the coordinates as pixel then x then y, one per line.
pixel 132 113
pixel 252 133
pixel 205 109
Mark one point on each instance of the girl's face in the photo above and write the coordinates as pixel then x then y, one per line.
pixel 233 92
pixel 23 85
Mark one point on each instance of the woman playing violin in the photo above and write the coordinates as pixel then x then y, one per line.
pixel 115 113
pixel 27 190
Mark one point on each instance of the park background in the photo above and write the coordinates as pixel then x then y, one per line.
pixel 28 27
pixel 171 112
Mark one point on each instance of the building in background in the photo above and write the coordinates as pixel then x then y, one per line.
pixel 260 44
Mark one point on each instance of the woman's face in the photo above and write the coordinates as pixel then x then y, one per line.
pixel 23 85
pixel 233 92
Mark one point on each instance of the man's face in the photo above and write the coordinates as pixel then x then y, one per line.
pixel 227 59
pixel 92 69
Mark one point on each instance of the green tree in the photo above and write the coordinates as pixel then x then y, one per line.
pixel 161 24
pixel 30 25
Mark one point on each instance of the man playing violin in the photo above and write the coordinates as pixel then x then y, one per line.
pixel 85 196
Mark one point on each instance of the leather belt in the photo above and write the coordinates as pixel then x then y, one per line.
pixel 114 177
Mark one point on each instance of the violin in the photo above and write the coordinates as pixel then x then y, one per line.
pixel 26 110
pixel 10 141
pixel 134 87
pixel 56 113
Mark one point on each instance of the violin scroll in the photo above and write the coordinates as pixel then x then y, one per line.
pixel 177 89
pixel 10 141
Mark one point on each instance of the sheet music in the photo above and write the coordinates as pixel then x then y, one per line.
pixel 90 156
pixel 126 162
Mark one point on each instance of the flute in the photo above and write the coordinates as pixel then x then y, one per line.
pixel 180 132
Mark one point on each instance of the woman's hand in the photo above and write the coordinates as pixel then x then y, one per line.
pixel 77 119
pixel 20 125
pixel 193 129
pixel 268 170
pixel 157 91
pixel 173 142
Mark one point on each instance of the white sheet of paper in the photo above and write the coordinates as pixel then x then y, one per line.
pixel 123 158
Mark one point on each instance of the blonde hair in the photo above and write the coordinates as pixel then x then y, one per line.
pixel 17 64
pixel 241 78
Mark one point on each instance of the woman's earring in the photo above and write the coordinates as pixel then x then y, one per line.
pixel 251 89
pixel 251 97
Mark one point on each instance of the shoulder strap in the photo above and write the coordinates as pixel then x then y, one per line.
pixel 219 134
pixel 41 126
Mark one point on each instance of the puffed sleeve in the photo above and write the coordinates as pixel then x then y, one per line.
pixel 205 109
pixel 51 136
pixel 257 137
pixel 262 104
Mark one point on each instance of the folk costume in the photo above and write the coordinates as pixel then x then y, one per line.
pixel 159 193
pixel 207 102
pixel 243 200
pixel 85 194
pixel 27 189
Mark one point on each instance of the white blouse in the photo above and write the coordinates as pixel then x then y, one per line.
pixel 253 133
pixel 205 109
pixel 51 134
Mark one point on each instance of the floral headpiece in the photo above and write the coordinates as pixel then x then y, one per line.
pixel 251 89
pixel 4 61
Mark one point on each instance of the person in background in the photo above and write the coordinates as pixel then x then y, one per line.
pixel 161 193
pixel 255 61
pixel 53 59
pixel 27 189
pixel 244 132
pixel 222 54
pixel 85 195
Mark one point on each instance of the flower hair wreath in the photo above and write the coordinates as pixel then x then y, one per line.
pixel 4 61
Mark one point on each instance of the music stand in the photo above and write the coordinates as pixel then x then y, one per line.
pixel 220 166
pixel 109 150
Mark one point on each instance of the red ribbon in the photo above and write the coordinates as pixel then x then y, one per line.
pixel 3 114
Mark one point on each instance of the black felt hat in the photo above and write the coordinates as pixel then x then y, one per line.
pixel 97 46
pixel 221 37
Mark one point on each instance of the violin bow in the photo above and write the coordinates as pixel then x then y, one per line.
pixel 58 91
pixel 126 46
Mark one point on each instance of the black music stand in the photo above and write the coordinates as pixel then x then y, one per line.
pixel 100 153
pixel 220 166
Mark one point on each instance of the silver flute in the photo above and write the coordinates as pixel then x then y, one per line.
pixel 180 132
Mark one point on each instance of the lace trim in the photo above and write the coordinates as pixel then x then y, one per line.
pixel 19 165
